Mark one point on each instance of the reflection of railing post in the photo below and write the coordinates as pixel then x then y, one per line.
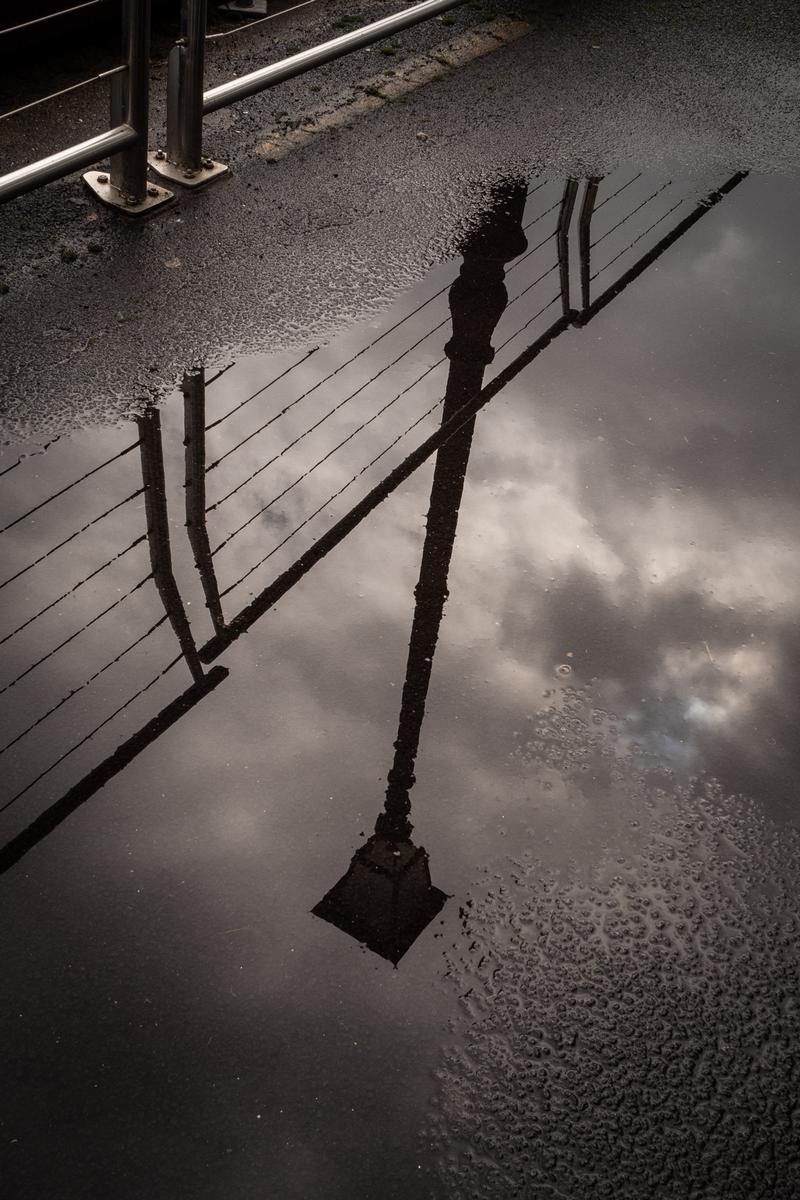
pixel 584 238
pixel 194 423
pixel 155 499
pixel 183 161
pixel 562 241
pixel 127 187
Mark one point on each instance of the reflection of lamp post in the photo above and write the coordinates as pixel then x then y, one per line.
pixel 386 898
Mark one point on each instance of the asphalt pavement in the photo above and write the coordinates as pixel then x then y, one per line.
pixel 100 315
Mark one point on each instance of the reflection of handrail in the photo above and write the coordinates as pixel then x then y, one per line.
pixel 206 570
pixel 24 457
pixel 607 199
pixel 93 733
pixel 562 240
pixel 389 404
pixel 82 686
pixel 340 491
pixel 157 536
pixel 565 212
pixel 638 237
pixel 585 235
pixel 632 213
pixel 254 395
pixel 320 383
pixel 82 791
pixel 340 404
pixel 281 585
pixel 647 259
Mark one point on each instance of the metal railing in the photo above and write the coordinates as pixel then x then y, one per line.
pixel 126 186
pixel 102 631
pixel 183 161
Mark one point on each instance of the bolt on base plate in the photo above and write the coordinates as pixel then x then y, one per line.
pixel 207 173
pixel 99 183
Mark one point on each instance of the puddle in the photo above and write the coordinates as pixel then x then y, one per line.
pixel 336 685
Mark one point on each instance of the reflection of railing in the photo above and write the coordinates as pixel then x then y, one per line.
pixel 588 214
pixel 215 589
pixel 570 316
pixel 90 784
pixel 197 430
pixel 126 142
pixel 157 539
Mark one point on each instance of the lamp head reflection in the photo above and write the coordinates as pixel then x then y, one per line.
pixel 386 898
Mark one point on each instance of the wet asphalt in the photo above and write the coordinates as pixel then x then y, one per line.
pixel 565 647
pixel 101 314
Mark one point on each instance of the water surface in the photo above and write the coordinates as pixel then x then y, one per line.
pixel 560 641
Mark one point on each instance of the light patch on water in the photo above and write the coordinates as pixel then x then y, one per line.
pixel 632 1030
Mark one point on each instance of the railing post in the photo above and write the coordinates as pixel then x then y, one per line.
pixel 584 239
pixel 562 240
pixel 183 161
pixel 194 424
pixel 155 504
pixel 126 186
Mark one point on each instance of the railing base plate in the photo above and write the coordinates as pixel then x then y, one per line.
pixel 175 174
pixel 99 185
pixel 246 8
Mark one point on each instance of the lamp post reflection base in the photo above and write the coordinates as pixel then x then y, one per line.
pixel 386 899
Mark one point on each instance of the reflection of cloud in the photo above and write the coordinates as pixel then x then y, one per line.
pixel 720 264
pixel 631 498
pixel 681 539
pixel 719 691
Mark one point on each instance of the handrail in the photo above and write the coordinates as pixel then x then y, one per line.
pixel 125 186
pixel 183 162
pixel 63 162
pixel 317 56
